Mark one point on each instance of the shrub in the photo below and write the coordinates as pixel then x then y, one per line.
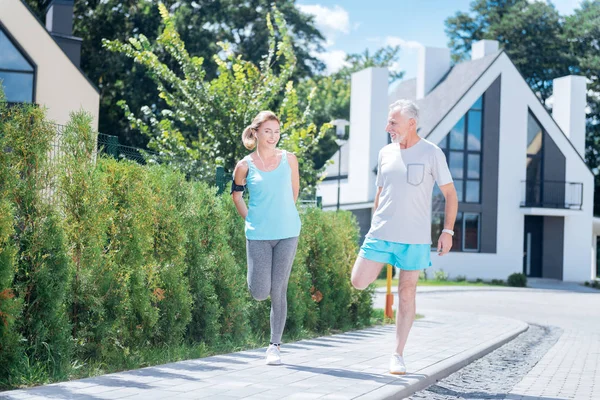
pixel 440 275
pixel 11 349
pixel 498 282
pixel 41 272
pixel 330 259
pixel 210 238
pixel 141 261
pixel 172 292
pixel 517 280
pixel 461 278
pixel 84 203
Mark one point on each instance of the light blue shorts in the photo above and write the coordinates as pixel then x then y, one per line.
pixel 410 257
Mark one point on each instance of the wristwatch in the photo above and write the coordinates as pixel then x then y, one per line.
pixel 448 231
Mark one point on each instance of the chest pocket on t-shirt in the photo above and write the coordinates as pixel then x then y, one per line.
pixel 415 173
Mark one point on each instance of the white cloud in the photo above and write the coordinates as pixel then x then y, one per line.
pixel 334 60
pixel 405 45
pixel 330 21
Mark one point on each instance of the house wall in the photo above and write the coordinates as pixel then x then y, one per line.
pixel 368 117
pixel 515 102
pixel 60 86
pixel 516 99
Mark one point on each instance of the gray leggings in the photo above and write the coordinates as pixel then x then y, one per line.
pixel 269 267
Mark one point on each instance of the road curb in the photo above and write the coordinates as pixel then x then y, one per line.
pixel 421 379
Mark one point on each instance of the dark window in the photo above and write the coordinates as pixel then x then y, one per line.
pixel 471 232
pixel 472 192
pixel 462 147
pixel 457 135
pixel 474 131
pixel 457 162
pixel 474 166
pixel 16 72
pixel 466 231
pixel 535 153
pixel 457 240
pixel 458 184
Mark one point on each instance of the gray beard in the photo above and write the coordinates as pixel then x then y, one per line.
pixel 398 139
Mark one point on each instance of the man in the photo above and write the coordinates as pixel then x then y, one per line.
pixel 400 232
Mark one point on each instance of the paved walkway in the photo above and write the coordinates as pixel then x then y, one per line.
pixel 344 366
pixel 571 368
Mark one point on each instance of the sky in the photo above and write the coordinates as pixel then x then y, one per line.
pixel 351 26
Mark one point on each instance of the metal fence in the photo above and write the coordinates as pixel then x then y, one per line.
pixel 109 145
pixel 552 194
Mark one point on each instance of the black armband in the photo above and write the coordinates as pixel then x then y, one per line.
pixel 236 188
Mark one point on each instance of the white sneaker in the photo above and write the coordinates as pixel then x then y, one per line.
pixel 397 366
pixel 273 355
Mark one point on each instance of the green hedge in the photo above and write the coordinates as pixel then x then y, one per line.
pixel 126 259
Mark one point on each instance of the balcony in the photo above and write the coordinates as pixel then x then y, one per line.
pixel 552 194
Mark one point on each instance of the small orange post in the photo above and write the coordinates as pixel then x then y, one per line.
pixel 389 297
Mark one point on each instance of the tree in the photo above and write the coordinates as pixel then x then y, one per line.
pixel 465 28
pixel 531 33
pixel 333 100
pixel 201 24
pixel 201 125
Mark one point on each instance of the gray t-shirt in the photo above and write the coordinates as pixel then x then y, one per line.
pixel 407 177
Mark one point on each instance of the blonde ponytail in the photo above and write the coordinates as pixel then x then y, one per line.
pixel 248 136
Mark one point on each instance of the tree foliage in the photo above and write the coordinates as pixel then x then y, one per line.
pixel 201 24
pixel 202 123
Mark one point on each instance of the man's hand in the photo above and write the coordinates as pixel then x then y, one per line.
pixel 444 243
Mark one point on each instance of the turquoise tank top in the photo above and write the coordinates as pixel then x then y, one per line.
pixel 272 212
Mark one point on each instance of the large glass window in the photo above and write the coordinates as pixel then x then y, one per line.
pixel 534 173
pixel 471 232
pixel 466 231
pixel 462 147
pixel 16 72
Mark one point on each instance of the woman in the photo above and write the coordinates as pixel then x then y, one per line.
pixel 272 220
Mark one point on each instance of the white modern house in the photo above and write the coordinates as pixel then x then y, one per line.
pixel 525 192
pixel 40 64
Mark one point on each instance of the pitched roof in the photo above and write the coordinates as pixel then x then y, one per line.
pixel 92 84
pixel 451 88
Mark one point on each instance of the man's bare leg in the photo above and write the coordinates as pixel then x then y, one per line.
pixel 365 272
pixel 405 314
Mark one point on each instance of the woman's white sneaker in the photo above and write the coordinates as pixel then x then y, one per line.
pixel 273 355
pixel 397 366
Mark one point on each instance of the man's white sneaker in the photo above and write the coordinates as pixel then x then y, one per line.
pixel 397 366
pixel 273 355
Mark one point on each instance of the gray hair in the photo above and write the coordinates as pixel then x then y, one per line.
pixel 407 108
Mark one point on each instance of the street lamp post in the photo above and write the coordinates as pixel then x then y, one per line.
pixel 339 173
pixel 340 133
